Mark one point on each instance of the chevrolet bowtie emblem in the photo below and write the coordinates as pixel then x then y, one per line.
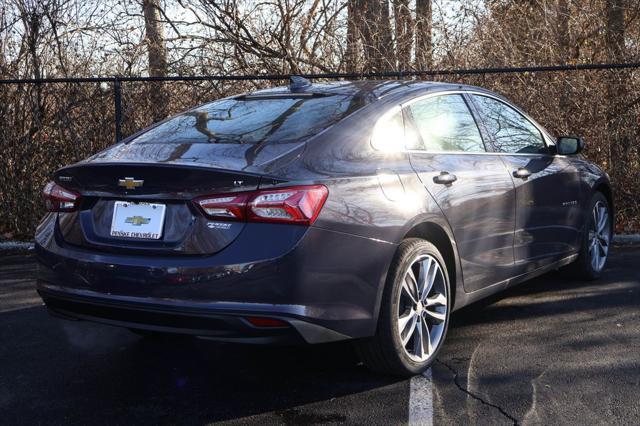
pixel 137 220
pixel 130 183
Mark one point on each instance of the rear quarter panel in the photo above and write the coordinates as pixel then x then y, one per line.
pixel 372 194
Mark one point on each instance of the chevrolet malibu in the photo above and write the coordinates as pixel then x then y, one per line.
pixel 314 213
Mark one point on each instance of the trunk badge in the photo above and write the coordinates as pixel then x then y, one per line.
pixel 130 183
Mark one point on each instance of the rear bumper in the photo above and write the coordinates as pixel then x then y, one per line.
pixel 326 287
pixel 218 323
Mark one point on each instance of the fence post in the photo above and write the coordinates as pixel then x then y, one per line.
pixel 117 99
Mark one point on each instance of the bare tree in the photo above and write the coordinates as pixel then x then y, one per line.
pixel 353 35
pixel 384 37
pixel 44 126
pixel 424 26
pixel 404 32
pixel 157 54
pixel 616 84
pixel 563 38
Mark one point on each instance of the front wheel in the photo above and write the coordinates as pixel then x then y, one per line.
pixel 596 240
pixel 414 314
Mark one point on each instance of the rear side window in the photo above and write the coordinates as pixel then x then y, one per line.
pixel 252 120
pixel 510 131
pixel 388 133
pixel 444 123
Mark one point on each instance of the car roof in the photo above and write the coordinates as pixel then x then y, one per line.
pixel 367 91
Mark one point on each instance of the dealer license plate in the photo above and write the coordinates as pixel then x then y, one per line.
pixel 137 220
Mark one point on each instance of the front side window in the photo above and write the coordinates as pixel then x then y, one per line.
pixel 510 131
pixel 444 123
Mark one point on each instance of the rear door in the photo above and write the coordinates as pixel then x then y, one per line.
pixel 548 214
pixel 470 185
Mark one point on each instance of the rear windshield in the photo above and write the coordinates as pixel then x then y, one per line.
pixel 252 120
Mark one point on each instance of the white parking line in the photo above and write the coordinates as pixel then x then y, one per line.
pixel 421 400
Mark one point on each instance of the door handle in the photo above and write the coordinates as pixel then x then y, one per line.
pixel 445 178
pixel 521 173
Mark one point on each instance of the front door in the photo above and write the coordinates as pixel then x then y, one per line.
pixel 472 187
pixel 548 214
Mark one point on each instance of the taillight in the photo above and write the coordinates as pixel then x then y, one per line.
pixel 59 199
pixel 227 206
pixel 296 204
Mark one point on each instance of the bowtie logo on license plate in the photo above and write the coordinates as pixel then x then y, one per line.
pixel 138 220
pixel 130 183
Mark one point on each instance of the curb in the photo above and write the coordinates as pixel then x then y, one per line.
pixel 15 246
pixel 626 239
pixel 6 246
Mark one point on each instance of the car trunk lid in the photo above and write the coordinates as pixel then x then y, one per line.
pixel 146 194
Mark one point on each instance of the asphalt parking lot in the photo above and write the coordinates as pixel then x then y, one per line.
pixel 550 351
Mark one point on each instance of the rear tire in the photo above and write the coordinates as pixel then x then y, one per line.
pixel 596 236
pixel 414 312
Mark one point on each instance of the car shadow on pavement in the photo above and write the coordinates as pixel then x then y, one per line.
pixel 80 373
pixel 56 371
pixel 556 292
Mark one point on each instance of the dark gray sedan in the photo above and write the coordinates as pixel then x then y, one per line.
pixel 313 213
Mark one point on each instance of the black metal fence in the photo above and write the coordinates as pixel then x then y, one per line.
pixel 118 80
pixel 47 123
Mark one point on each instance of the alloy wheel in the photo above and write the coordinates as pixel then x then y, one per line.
pixel 599 236
pixel 422 308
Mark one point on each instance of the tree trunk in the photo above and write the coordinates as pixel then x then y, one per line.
pixel 373 26
pixel 563 54
pixel 384 39
pixel 366 24
pixel 157 54
pixel 424 26
pixel 353 18
pixel 404 33
pixel 616 90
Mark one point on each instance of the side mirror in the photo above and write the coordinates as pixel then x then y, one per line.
pixel 569 145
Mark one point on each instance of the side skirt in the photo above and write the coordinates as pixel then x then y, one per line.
pixel 465 299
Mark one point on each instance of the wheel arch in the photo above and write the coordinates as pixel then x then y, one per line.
pixel 604 187
pixel 444 242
